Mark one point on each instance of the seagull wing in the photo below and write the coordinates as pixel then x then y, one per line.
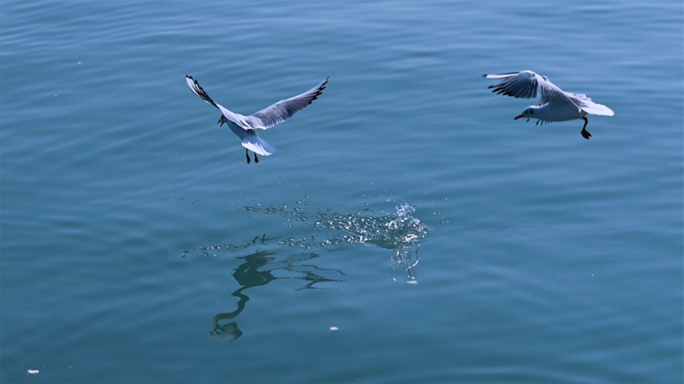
pixel 237 118
pixel 284 109
pixel 526 84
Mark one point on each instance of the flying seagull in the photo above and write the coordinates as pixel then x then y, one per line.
pixel 554 105
pixel 245 126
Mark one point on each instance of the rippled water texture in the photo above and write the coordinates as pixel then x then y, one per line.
pixel 406 230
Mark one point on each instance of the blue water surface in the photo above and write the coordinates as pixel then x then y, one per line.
pixel 406 230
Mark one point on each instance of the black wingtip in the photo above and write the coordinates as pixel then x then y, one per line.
pixel 322 86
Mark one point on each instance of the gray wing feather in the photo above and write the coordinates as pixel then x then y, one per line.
pixel 284 109
pixel 197 90
pixel 237 118
pixel 526 84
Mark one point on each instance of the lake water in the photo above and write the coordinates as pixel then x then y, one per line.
pixel 406 230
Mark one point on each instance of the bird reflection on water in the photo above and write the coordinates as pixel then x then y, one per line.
pixel 249 275
pixel 315 228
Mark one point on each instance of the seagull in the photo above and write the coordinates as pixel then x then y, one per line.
pixel 554 105
pixel 245 126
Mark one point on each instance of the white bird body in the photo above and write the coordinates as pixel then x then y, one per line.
pixel 245 127
pixel 557 112
pixel 554 104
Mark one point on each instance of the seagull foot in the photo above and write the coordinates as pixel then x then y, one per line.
pixel 586 134
pixel 256 159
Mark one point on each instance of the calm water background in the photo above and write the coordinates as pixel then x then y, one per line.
pixel 445 241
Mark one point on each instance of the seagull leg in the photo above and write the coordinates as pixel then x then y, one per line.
pixel 584 132
pixel 247 154
pixel 256 159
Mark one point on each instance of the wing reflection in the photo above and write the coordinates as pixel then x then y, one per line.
pixel 312 228
pixel 256 270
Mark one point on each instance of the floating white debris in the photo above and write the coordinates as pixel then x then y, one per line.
pixel 333 329
pixel 32 372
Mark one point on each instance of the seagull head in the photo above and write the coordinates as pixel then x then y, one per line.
pixel 528 112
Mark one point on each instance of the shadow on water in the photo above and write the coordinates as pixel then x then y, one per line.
pixel 251 273
pixel 311 229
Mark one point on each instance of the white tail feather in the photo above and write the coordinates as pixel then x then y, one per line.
pixel 596 109
pixel 258 145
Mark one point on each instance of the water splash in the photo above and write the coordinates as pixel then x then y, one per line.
pixel 399 232
pixel 390 232
pixel 315 227
pixel 408 260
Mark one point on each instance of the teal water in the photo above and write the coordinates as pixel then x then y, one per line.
pixel 407 229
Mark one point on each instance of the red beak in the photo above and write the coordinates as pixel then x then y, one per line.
pixel 518 117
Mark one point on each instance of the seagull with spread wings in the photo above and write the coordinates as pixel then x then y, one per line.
pixel 245 126
pixel 554 104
